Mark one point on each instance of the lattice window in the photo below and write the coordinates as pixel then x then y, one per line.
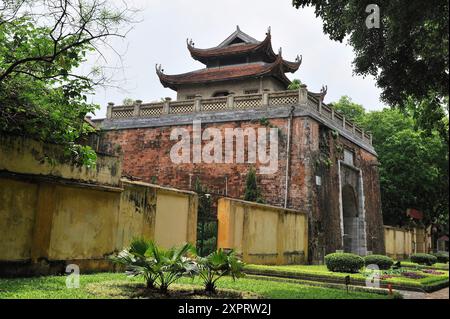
pixel 283 99
pixel 151 112
pixel 122 113
pixel 214 106
pixel 247 103
pixel 181 108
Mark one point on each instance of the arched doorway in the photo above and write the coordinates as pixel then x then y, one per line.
pixel 351 220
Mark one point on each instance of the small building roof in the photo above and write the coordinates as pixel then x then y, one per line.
pixel 230 72
pixel 238 49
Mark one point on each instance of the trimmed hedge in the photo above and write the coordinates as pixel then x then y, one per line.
pixel 383 262
pixel 442 257
pixel 423 259
pixel 344 262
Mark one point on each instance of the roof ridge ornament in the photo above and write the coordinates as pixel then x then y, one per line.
pixel 159 69
pixel 190 43
pixel 280 51
pixel 299 58
pixel 268 31
pixel 237 28
pixel 324 90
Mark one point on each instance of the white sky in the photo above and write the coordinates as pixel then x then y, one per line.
pixel 161 35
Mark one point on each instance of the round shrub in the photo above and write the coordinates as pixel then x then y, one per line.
pixel 383 262
pixel 344 262
pixel 423 259
pixel 442 257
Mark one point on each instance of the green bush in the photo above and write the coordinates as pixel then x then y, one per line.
pixel 423 259
pixel 383 262
pixel 442 257
pixel 344 262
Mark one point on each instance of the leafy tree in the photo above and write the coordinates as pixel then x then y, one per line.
pixel 252 191
pixel 295 84
pixel 352 111
pixel 43 43
pixel 413 167
pixel 408 54
pixel 128 101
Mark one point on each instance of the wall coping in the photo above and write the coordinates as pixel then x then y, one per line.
pixel 159 187
pixel 263 206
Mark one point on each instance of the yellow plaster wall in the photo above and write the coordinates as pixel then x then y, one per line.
pixel 400 243
pixel 262 234
pixel 70 219
pixel 17 214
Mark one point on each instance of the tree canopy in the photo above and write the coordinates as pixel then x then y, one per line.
pixel 407 54
pixel 352 111
pixel 413 165
pixel 43 43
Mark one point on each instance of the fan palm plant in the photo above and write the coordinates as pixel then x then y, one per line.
pixel 139 260
pixel 173 263
pixel 156 265
pixel 216 265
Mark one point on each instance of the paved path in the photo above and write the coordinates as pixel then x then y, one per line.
pixel 440 294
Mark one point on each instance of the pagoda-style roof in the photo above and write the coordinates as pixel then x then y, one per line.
pixel 278 68
pixel 237 44
pixel 264 61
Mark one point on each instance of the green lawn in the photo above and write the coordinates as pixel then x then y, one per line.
pixel 54 287
pixel 320 272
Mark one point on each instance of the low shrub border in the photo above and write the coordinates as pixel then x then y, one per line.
pixel 442 257
pixel 437 266
pixel 423 259
pixel 428 284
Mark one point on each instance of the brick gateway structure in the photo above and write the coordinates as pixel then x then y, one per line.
pixel 327 166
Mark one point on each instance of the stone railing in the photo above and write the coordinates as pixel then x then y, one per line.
pixel 312 101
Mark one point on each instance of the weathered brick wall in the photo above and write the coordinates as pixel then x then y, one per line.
pixel 146 153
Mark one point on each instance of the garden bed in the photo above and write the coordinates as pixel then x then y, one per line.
pixel 410 280
pixel 437 266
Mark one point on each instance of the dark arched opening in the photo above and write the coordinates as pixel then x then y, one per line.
pixel 351 220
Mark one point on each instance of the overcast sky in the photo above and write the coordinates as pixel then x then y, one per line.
pixel 161 35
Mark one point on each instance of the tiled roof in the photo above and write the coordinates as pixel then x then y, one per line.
pixel 224 73
pixel 233 50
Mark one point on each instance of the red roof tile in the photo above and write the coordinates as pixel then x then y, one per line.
pixel 224 73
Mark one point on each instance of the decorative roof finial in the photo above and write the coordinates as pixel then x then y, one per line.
pixel 159 69
pixel 237 28
pixel 324 90
pixel 280 51
pixel 190 42
pixel 299 58
pixel 268 31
